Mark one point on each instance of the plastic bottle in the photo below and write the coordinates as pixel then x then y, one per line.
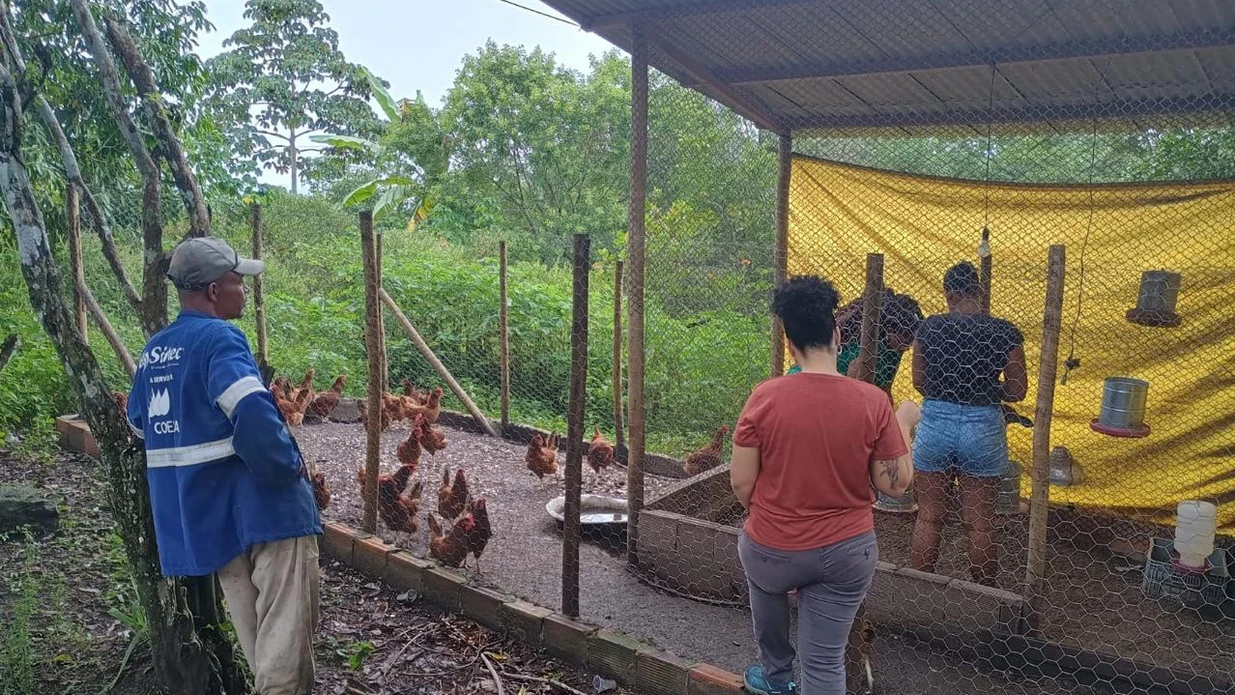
pixel 1194 532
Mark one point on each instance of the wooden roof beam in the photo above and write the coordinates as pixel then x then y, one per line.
pixel 702 7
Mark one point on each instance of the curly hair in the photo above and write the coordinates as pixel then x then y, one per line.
pixel 806 306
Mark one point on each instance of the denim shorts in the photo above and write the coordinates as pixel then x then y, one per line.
pixel 969 439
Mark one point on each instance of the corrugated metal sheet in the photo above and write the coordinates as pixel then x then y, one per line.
pixel 847 66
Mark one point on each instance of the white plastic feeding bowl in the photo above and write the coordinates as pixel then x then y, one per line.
pixel 593 509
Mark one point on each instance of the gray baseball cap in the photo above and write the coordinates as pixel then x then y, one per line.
pixel 199 261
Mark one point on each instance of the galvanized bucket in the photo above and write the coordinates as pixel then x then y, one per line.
pixel 896 505
pixel 1123 402
pixel 1009 499
pixel 1159 291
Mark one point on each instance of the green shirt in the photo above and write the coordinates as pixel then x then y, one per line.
pixel 887 362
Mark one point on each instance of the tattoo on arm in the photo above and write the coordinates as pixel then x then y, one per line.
pixel 892 470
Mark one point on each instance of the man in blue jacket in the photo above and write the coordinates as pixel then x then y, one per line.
pixel 228 485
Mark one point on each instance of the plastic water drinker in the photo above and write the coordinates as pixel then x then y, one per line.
pixel 1194 532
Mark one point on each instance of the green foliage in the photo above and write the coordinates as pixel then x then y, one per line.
pixel 17 659
pixel 283 80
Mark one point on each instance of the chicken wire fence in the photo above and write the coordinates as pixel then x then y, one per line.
pixel 1141 204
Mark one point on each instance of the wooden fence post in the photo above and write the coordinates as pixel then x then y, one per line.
pixel 872 302
pixel 619 438
pixel 781 270
pixel 381 318
pixel 373 421
pixel 504 328
pixel 984 273
pixel 76 268
pixel 1035 567
pixel 576 411
pixel 637 220
pixel 259 289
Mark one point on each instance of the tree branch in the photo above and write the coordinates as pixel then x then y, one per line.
pixel 169 144
pixel 154 283
pixel 106 328
pixel 72 170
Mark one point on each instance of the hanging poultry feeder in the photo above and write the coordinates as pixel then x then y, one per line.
pixel 1156 301
pixel 1123 408
pixel 1064 471
pixel 904 504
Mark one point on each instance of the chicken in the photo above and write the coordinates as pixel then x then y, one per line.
pixel 388 486
pixel 410 391
pixel 321 493
pixel 599 451
pixel 399 512
pixel 481 532
pixel 300 403
pixel 306 384
pixel 325 402
pixel 708 457
pixel 859 675
pixel 409 407
pixel 433 406
pixel 432 438
pixel 541 459
pixel 452 497
pixel 408 451
pixel 450 550
pixel 385 416
pixel 122 400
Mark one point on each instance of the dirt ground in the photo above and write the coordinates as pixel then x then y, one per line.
pixel 524 558
pixel 371 640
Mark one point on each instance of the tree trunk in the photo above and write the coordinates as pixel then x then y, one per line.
pixel 8 348
pixel 187 659
pixel 295 164
pixel 153 314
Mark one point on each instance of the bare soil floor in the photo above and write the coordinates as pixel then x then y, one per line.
pixel 524 559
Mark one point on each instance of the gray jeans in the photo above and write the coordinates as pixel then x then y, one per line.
pixel 831 584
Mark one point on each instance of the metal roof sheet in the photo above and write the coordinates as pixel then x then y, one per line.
pixel 845 66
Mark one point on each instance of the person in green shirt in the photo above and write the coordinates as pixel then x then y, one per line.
pixel 898 322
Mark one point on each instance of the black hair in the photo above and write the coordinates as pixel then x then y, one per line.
pixel 901 315
pixel 806 306
pixel 961 278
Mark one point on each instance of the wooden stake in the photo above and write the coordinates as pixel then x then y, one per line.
pixel 504 328
pixel 781 270
pixel 373 421
pixel 872 301
pixel 574 426
pixel 441 369
pixel 1035 569
pixel 637 242
pixel 984 273
pixel 619 440
pixel 76 268
pixel 259 291
pixel 108 331
pixel 384 371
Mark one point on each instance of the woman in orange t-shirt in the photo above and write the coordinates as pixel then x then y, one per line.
pixel 806 451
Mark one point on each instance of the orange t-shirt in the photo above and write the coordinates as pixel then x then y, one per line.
pixel 816 435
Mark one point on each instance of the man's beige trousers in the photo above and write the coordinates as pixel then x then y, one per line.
pixel 271 593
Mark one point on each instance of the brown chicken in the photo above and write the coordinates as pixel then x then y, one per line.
pixel 541 458
pixel 599 451
pixel 433 406
pixel 450 550
pixel 408 451
pixel 321 493
pixel 708 457
pixel 300 403
pixel 410 391
pixel 386 416
pixel 481 532
pixel 306 384
pixel 399 512
pixel 122 400
pixel 325 402
pixel 452 497
pixel 432 438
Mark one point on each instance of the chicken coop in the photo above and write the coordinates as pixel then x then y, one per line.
pixel 1079 153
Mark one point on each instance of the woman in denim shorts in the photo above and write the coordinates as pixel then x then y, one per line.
pixel 966 364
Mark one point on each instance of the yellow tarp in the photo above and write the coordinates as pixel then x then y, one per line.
pixel 839 213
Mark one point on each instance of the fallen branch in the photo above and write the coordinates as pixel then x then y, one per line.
pixel 537 679
pixel 497 680
pixel 10 346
